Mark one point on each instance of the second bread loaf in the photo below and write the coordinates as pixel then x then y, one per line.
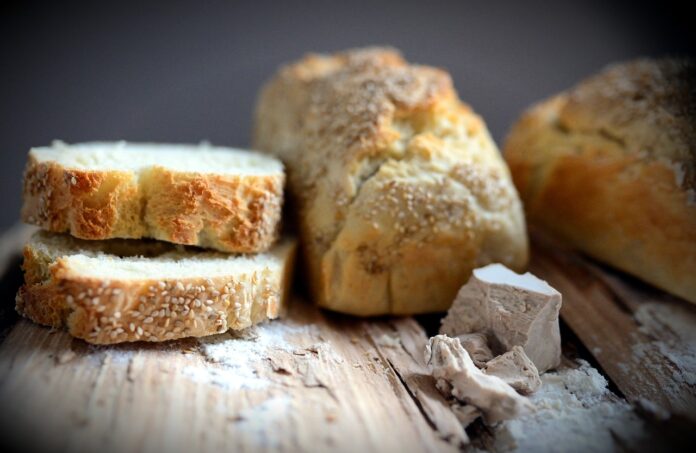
pixel 400 189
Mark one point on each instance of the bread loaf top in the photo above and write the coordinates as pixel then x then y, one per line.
pixel 609 167
pixel 643 110
pixel 646 106
pixel 400 189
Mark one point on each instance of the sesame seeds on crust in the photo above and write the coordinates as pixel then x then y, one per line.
pixel 118 310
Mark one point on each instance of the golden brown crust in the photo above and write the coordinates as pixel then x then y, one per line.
pixel 107 312
pixel 617 185
pixel 401 191
pixel 238 214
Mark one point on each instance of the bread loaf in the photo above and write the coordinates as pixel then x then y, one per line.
pixel 128 290
pixel 609 167
pixel 214 197
pixel 400 190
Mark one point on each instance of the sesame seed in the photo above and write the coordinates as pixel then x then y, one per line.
pixel 131 326
pixel 139 330
pixel 148 320
pixel 117 314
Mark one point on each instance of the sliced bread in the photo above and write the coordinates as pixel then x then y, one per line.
pixel 214 197
pixel 126 290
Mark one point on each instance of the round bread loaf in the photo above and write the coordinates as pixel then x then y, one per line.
pixel 399 189
pixel 610 167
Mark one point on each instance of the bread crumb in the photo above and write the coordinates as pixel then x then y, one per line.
pixel 65 357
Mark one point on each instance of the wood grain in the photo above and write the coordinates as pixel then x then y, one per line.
pixel 312 381
pixel 605 309
pixel 304 383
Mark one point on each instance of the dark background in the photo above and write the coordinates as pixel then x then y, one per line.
pixel 185 72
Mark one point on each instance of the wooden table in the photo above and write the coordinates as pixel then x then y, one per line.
pixel 313 381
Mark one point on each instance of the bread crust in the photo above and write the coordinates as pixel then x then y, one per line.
pixel 238 214
pixel 400 190
pixel 609 168
pixel 115 311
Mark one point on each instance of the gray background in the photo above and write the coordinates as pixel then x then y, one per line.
pixel 184 72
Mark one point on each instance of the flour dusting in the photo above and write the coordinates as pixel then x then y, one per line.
pixel 575 412
pixel 673 324
pixel 236 356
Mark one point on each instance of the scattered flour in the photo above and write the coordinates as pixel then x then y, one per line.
pixel 254 422
pixel 235 355
pixel 228 379
pixel 575 412
pixel 389 341
pixel 673 324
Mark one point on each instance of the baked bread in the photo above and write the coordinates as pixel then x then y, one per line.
pixel 220 198
pixel 128 290
pixel 400 190
pixel 610 167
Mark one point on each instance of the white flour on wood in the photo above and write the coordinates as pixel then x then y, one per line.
pixel 575 412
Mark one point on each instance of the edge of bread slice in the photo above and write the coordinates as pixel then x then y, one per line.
pixel 125 290
pixel 221 198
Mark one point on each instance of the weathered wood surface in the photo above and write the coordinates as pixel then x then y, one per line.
pixel 313 381
pixel 307 383
pixel 644 339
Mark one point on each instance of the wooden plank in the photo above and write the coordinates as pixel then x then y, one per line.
pixel 612 319
pixel 311 381
pixel 301 383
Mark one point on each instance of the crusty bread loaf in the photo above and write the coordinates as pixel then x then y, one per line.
pixel 610 167
pixel 400 190
pixel 214 197
pixel 128 290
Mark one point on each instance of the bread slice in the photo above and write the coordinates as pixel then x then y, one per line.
pixel 214 197
pixel 125 290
